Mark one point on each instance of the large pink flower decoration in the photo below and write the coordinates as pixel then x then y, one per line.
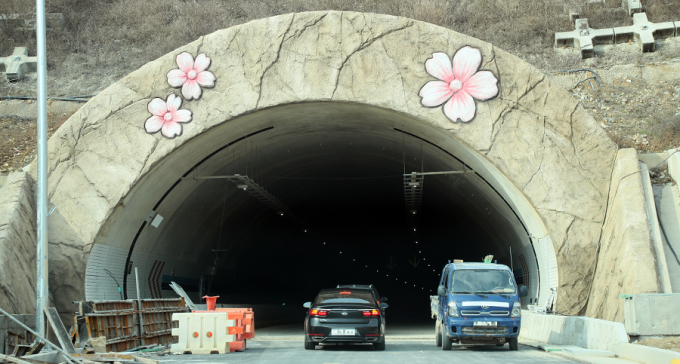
pixel 191 75
pixel 167 116
pixel 459 84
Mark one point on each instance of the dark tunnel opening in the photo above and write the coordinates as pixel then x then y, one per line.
pixel 344 182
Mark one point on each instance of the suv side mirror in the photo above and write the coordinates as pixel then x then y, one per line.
pixel 383 299
pixel 441 291
pixel 307 305
pixel 384 305
pixel 523 291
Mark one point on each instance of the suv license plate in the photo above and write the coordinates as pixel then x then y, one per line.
pixel 486 323
pixel 343 332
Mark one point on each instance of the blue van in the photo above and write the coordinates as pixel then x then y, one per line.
pixel 477 303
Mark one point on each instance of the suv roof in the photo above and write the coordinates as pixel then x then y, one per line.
pixel 476 265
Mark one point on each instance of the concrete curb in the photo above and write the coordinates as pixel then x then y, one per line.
pixel 584 332
pixel 646 354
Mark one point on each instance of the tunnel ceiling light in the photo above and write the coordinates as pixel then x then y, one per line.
pixel 414 211
pixel 157 220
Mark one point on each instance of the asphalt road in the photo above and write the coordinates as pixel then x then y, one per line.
pixel 397 351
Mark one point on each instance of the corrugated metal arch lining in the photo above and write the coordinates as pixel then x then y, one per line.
pixel 141 228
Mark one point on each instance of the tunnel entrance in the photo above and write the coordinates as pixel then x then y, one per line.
pixel 351 212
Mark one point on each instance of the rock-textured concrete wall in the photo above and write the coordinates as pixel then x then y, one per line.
pixel 534 132
pixel 17 244
pixel 625 263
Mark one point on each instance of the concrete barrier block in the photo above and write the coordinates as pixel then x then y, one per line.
pixel 652 314
pixel 653 159
pixel 674 161
pixel 579 331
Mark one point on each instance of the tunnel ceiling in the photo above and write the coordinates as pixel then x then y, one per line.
pixel 339 168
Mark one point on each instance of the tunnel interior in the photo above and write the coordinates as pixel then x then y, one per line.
pixel 339 171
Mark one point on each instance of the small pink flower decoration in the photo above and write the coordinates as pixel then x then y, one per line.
pixel 191 75
pixel 458 84
pixel 167 116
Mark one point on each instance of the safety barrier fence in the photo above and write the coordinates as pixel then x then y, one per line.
pixel 241 326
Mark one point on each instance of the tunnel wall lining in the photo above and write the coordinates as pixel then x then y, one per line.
pixel 549 150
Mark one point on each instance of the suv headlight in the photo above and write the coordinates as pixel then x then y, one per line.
pixel 453 309
pixel 516 310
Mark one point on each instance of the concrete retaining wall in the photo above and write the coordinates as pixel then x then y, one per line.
pixel 580 331
pixel 17 244
pixel 626 245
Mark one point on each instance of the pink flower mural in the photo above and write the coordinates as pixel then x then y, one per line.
pixel 191 75
pixel 459 84
pixel 166 116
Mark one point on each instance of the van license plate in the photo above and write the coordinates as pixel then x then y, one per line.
pixel 343 332
pixel 486 323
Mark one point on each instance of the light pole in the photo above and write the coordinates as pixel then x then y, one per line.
pixel 42 295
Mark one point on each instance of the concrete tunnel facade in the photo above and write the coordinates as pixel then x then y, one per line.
pixel 322 110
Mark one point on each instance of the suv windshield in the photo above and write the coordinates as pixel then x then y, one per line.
pixel 482 281
pixel 334 298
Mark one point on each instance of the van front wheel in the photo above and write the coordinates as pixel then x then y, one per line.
pixel 438 334
pixel 513 343
pixel 446 342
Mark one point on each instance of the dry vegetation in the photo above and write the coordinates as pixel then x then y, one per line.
pixel 104 40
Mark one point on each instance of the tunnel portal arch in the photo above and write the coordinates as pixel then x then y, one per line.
pixel 312 76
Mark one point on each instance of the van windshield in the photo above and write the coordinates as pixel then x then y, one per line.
pixel 482 281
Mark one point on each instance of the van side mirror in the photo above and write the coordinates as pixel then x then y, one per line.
pixel 523 291
pixel 441 291
pixel 307 305
pixel 383 299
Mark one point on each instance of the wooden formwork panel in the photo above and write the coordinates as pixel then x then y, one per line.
pixel 120 330
pixel 113 306
pixel 160 303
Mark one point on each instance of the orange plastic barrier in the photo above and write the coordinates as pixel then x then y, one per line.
pixel 244 325
pixel 248 322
